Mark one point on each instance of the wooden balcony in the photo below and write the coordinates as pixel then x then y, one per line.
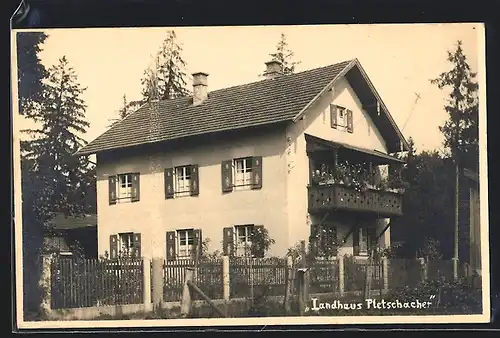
pixel 340 197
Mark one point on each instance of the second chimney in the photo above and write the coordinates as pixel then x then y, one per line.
pixel 200 87
pixel 273 69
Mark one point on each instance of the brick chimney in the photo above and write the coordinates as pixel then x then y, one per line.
pixel 273 69
pixel 200 87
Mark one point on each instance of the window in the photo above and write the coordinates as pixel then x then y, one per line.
pixel 183 180
pixel 243 172
pixel 124 186
pixel 341 118
pixel 243 239
pixel 185 243
pixel 126 244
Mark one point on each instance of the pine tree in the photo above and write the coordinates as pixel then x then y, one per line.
pixel 461 131
pixel 164 79
pixel 62 179
pixel 285 55
pixel 30 70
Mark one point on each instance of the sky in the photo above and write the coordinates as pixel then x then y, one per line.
pixel 399 59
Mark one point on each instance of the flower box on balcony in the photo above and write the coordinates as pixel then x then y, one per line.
pixel 341 197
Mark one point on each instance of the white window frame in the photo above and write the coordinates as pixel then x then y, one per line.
pixel 363 241
pixel 124 187
pixel 242 172
pixel 341 117
pixel 182 179
pixel 126 244
pixel 242 241
pixel 184 246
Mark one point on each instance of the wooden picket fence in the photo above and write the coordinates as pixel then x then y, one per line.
pixel 263 275
pixel 208 277
pixel 77 283
pixel 92 282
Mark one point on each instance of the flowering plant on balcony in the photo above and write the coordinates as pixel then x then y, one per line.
pixel 358 177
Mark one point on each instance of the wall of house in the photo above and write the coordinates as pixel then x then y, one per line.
pixel 212 210
pixel 317 122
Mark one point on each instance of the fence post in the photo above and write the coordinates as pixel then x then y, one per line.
pixel 303 290
pixel 225 278
pixel 341 275
pixel 455 268
pixel 423 265
pixel 146 277
pixel 385 273
pixel 288 283
pixel 46 284
pixel 186 293
pixel 158 282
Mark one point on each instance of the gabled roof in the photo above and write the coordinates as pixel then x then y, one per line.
pixel 282 99
pixel 62 222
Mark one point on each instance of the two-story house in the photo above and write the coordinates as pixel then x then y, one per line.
pixel 284 153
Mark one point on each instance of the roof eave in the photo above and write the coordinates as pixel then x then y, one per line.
pixel 402 139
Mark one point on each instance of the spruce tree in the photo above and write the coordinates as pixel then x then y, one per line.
pixel 63 179
pixel 30 70
pixel 54 180
pixel 461 130
pixel 285 55
pixel 165 78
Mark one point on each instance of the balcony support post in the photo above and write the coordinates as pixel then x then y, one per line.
pixel 384 230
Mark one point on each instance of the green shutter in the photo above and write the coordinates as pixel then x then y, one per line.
pixel 227 176
pixel 169 182
pixel 333 116
pixel 350 127
pixel 113 246
pixel 112 189
pixel 170 242
pixel 195 180
pixel 228 241
pixel 135 187
pixel 197 243
pixel 137 245
pixel 256 172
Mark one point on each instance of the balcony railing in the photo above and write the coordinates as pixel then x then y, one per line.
pixel 341 197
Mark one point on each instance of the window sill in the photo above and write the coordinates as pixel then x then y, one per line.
pixel 182 194
pixel 243 187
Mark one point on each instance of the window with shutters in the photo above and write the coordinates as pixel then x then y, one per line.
pixel 242 172
pixel 126 244
pixel 183 180
pixel 341 118
pixel 124 187
pixel 243 243
pixel 185 243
